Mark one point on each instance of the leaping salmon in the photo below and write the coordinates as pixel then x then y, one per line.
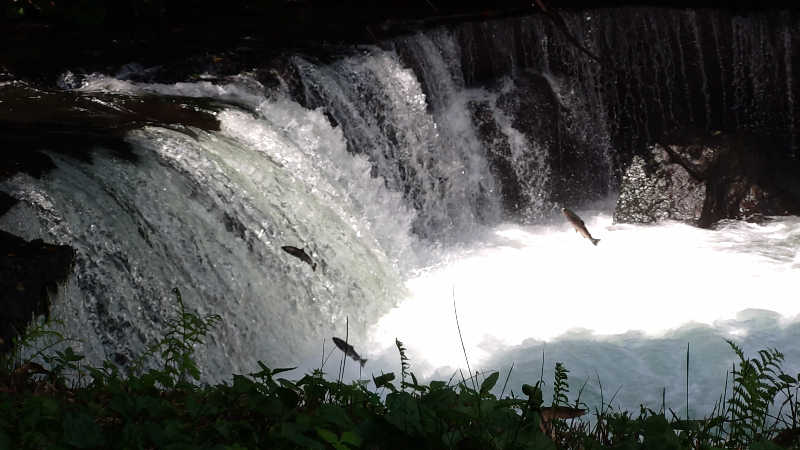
pixel 580 227
pixel 348 350
pixel 300 254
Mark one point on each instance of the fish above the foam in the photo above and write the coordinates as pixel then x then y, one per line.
pixel 578 224
pixel 300 254
pixel 349 350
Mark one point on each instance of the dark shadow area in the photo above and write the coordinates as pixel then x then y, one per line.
pixel 41 37
pixel 29 276
pixel 77 124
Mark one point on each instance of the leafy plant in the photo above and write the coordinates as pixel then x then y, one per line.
pixel 35 342
pixel 755 385
pixel 36 346
pixel 404 366
pixel 560 385
pixel 176 348
pixel 154 409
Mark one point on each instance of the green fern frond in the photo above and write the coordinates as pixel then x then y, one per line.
pixel 404 366
pixel 561 385
pixel 755 386
pixel 176 348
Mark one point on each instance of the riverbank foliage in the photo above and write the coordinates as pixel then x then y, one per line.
pixel 61 403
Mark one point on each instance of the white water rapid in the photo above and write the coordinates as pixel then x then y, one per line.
pixel 412 191
pixel 623 311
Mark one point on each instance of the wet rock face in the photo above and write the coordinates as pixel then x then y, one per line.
pixel 77 124
pixel 534 111
pixel 6 202
pixel 571 167
pixel 534 151
pixel 521 168
pixel 659 191
pixel 498 152
pixel 701 179
pixel 29 276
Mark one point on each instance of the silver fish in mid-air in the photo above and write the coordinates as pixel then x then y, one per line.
pixel 348 350
pixel 300 254
pixel 580 227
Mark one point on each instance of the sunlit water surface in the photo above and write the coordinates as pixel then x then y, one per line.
pixel 619 315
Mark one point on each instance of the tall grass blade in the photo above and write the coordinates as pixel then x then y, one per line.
pixel 508 375
pixel 461 338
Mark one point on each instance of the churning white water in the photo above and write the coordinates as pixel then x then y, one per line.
pixel 622 312
pixel 398 200
pixel 208 212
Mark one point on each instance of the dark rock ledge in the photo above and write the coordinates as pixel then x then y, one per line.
pixel 700 179
pixel 29 276
pixel 77 125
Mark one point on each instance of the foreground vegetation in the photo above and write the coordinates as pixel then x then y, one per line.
pixel 62 404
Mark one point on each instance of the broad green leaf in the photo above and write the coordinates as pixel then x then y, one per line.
pixel 529 390
pixel 384 380
pixel 787 379
pixel 489 383
pixel 436 385
pixel 282 369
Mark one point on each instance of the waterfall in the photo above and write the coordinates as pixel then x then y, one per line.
pixel 377 161
pixel 659 70
pixel 433 157
pixel 208 212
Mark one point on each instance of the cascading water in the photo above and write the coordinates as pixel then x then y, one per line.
pixel 208 213
pixel 433 158
pixel 405 171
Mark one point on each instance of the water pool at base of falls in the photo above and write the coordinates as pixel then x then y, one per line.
pixel 620 314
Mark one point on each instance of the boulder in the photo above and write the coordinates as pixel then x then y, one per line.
pixel 659 191
pixel 700 179
pixel 29 276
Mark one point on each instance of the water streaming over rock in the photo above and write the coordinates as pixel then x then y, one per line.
pixel 385 160
pixel 209 213
pixel 658 69
pixel 433 157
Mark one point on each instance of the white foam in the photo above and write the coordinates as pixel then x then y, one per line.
pixel 240 90
pixel 610 308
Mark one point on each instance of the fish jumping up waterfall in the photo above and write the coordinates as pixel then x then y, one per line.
pixel 300 254
pixel 580 227
pixel 348 350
